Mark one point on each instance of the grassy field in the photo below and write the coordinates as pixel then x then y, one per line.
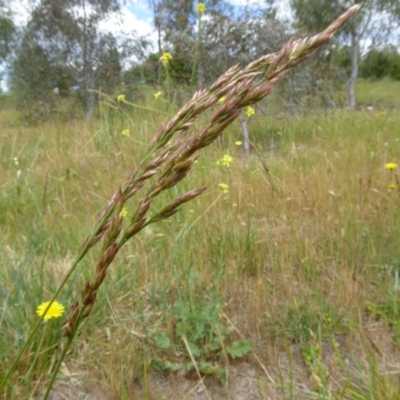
pixel 283 287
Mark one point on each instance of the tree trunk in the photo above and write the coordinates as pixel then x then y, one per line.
pixel 354 54
pixel 90 104
pixel 159 70
pixel 245 134
pixel 88 77
pixel 90 96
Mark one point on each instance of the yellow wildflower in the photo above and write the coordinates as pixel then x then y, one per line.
pixel 56 310
pixel 224 187
pixel 226 161
pixel 391 166
pixel 126 132
pixel 249 111
pixel 166 58
pixel 157 95
pixel 121 98
pixel 222 99
pixel 392 186
pixel 382 113
pixel 238 143
pixel 124 213
pixel 201 8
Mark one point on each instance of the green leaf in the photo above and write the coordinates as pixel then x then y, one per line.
pixel 172 366
pixel 162 341
pixel 207 368
pixel 165 365
pixel 239 348
pixel 194 350
pixel 214 345
pixel 222 375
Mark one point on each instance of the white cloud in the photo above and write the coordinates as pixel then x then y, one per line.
pixel 20 11
pixel 124 24
pixel 284 10
pixel 247 2
pixel 127 22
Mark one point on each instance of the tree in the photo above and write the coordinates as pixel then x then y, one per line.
pixel 63 48
pixel 237 38
pixel 379 63
pixel 178 24
pixel 227 37
pixel 373 21
pixel 7 34
pixel 7 31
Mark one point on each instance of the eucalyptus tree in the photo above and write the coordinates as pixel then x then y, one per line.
pixel 178 25
pixel 7 31
pixel 157 8
pixel 7 35
pixel 372 24
pixel 64 47
pixel 216 40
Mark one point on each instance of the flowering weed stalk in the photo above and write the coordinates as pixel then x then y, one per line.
pixel 165 59
pixel 197 62
pixel 170 156
pixel 393 177
pixel 48 311
pixel 121 99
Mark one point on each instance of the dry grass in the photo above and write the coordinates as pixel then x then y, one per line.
pixel 306 266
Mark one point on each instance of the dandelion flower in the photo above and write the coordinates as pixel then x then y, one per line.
pixel 166 58
pixel 56 310
pixel 249 111
pixel 222 99
pixel 391 166
pixel 121 98
pixel 157 95
pixel 124 213
pixel 225 161
pixel 126 132
pixel 392 186
pixel 224 188
pixel 238 143
pixel 201 8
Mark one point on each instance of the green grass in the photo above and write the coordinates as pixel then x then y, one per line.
pixel 300 263
pixel 379 94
